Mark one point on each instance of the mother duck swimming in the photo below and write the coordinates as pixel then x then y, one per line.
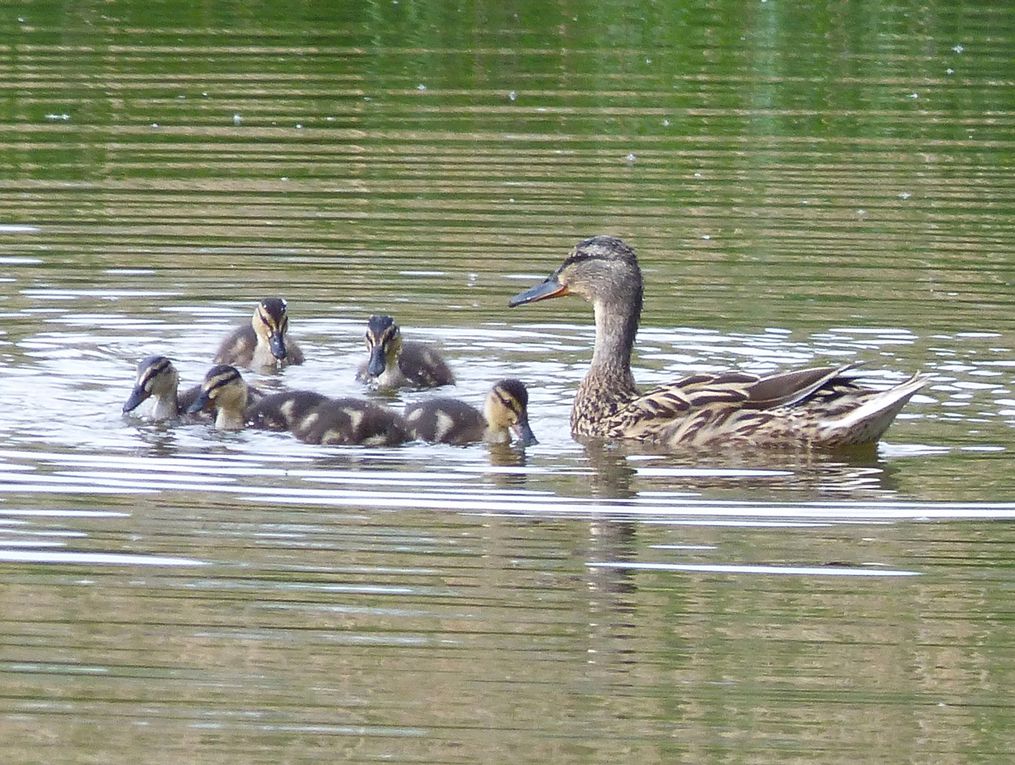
pixel 821 406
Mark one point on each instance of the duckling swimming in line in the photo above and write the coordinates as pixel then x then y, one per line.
pixel 158 380
pixel 451 421
pixel 398 363
pixel 264 344
pixel 822 406
pixel 281 411
pixel 351 421
pixel 310 416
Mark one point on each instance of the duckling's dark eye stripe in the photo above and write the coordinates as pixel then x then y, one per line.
pixel 157 368
pixel 264 318
pixel 149 374
pixel 218 382
pixel 508 402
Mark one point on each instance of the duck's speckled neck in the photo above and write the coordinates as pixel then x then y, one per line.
pixel 609 382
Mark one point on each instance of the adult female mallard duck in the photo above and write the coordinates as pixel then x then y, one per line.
pixel 158 380
pixel 451 421
pixel 397 363
pixel 822 406
pixel 262 345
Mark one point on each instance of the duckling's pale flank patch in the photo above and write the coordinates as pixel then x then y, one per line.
pixel 281 411
pixel 351 421
pixel 823 406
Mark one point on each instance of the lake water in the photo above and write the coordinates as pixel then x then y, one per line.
pixel 803 185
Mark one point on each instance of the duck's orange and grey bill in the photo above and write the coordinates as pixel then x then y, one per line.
pixel 551 288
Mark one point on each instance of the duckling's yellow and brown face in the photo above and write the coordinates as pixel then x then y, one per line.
pixel 270 323
pixel 158 378
pixel 384 344
pixel 223 390
pixel 506 411
pixel 602 270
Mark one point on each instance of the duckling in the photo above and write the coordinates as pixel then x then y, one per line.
pixel 823 406
pixel 451 421
pixel 224 391
pixel 281 411
pixel 397 363
pixel 262 345
pixel 158 379
pixel 351 421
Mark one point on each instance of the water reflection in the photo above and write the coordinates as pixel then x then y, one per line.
pixel 625 470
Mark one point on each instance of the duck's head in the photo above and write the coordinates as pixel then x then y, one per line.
pixel 507 408
pixel 222 389
pixel 270 323
pixel 156 376
pixel 384 343
pixel 602 269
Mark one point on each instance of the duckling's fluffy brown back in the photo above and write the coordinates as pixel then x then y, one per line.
pixel 445 420
pixel 351 421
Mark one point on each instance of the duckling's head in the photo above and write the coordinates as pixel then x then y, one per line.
pixel 506 408
pixel 223 389
pixel 270 323
pixel 384 343
pixel 601 269
pixel 156 376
